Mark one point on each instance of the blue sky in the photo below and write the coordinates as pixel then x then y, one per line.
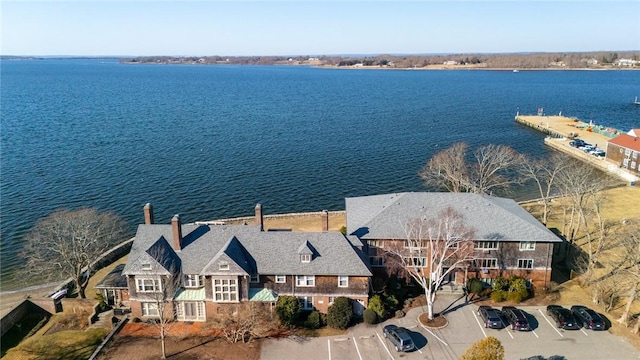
pixel 240 28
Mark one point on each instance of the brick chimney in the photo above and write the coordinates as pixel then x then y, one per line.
pixel 176 227
pixel 148 214
pixel 259 217
pixel 325 220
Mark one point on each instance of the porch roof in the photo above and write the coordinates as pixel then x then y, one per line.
pixel 190 295
pixel 257 294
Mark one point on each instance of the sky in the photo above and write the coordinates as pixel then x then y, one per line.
pixel 314 28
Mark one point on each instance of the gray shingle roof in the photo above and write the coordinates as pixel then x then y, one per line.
pixel 384 216
pixel 158 258
pixel 253 250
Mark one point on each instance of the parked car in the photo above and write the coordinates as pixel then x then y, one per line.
pixel 516 318
pixel 576 143
pixel 563 317
pixel 586 147
pixel 491 317
pixel 597 152
pixel 589 318
pixel 399 337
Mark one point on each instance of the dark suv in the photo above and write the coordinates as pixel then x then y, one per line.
pixel 399 336
pixel 516 318
pixel 491 317
pixel 589 318
pixel 563 317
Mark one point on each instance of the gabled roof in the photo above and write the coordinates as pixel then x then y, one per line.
pixel 157 259
pixel 493 218
pixel 634 132
pixel 249 250
pixel 113 280
pixel 627 141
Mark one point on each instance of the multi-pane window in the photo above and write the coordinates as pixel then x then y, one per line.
pixel 255 278
pixel 416 261
pixel 527 245
pixel 223 266
pixel 191 281
pixel 306 280
pixel 148 285
pixel 376 261
pixel 190 310
pixel 487 263
pixel 306 302
pixel 150 309
pixel 305 258
pixel 331 299
pixel 486 245
pixel 343 281
pixel 281 279
pixel 375 243
pixel 525 263
pixel 225 289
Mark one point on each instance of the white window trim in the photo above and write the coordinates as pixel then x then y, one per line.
pixel 181 313
pixel 332 299
pixel 219 289
pixel 525 261
pixel 142 288
pixel 488 262
pixel 254 278
pixel 305 280
pixel 485 245
pixel 192 281
pixel 223 266
pixel 527 245
pixel 281 279
pixel 305 258
pixel 146 307
pixel 343 279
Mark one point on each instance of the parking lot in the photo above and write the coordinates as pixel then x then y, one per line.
pixel 545 341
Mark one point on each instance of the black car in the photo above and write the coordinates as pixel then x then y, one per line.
pixel 516 318
pixel 491 317
pixel 589 318
pixel 577 143
pixel 563 317
pixel 399 336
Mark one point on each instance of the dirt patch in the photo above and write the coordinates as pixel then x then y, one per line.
pixel 437 322
pixel 140 341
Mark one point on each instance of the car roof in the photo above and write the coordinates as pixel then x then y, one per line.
pixel 403 333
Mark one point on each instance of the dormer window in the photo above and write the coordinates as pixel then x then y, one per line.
pixel 223 266
pixel 191 281
pixel 146 266
pixel 305 258
pixel 255 278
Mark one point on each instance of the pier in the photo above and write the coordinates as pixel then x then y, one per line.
pixel 562 130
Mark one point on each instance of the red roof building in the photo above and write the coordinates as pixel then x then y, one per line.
pixel 624 150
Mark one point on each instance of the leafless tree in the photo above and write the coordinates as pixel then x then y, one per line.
pixel 630 265
pixel 493 167
pixel 433 249
pixel 66 243
pixel 544 173
pixel 581 185
pixel 247 321
pixel 163 301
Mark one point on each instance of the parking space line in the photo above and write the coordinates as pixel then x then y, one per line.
pixel 357 349
pixel 584 332
pixel 385 346
pixel 534 333
pixel 434 335
pixel 554 328
pixel 329 345
pixel 478 321
pixel 508 332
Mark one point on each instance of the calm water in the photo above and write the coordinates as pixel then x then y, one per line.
pixel 212 141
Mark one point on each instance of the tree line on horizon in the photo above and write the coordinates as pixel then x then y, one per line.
pixel 595 60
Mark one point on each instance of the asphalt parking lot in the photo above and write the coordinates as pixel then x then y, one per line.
pixel 545 341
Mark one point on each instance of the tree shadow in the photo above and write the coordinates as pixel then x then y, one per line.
pixel 452 308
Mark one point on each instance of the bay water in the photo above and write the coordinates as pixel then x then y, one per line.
pixel 209 142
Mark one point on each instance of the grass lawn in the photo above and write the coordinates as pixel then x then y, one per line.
pixel 61 345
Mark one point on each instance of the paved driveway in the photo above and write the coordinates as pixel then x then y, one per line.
pixel 366 342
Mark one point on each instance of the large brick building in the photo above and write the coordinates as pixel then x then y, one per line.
pixel 624 150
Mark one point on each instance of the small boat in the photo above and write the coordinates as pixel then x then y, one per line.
pixel 516 70
pixel 636 102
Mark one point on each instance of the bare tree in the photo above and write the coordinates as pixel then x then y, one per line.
pixel 630 266
pixel 166 307
pixel 492 168
pixel 433 249
pixel 544 172
pixel 245 322
pixel 448 169
pixel 66 243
